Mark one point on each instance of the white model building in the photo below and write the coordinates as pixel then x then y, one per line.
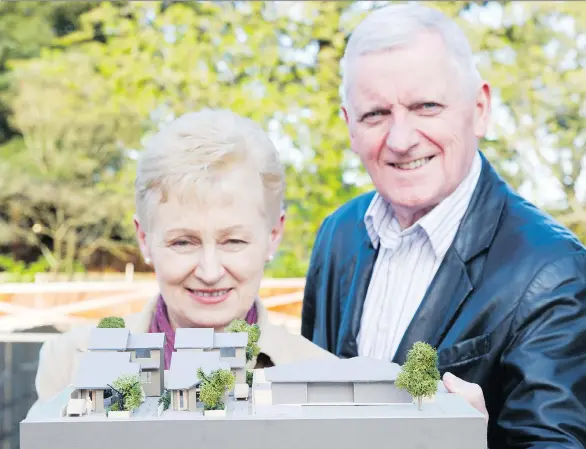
pixel 312 404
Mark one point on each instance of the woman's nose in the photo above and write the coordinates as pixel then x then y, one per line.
pixel 209 268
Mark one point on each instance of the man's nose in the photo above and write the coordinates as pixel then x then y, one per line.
pixel 209 267
pixel 402 136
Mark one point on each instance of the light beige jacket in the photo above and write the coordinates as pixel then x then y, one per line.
pixel 58 359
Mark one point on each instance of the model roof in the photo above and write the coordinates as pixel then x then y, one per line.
pixel 194 338
pixel 112 339
pixel 146 341
pixel 356 369
pixel 230 339
pixel 182 374
pixel 98 369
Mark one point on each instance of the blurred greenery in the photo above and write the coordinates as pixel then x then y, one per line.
pixel 83 83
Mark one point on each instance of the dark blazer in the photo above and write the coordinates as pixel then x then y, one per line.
pixel 506 310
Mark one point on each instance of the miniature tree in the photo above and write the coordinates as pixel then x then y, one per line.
pixel 213 387
pixel 253 331
pixel 249 377
pixel 129 392
pixel 419 375
pixel 112 322
pixel 165 399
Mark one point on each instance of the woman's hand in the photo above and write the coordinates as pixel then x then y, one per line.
pixel 472 393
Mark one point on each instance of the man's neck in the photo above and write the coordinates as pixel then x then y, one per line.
pixel 408 217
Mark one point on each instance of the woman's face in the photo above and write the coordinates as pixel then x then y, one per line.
pixel 209 256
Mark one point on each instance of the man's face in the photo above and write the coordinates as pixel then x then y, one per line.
pixel 414 124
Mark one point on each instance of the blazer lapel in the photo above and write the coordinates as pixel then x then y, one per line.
pixel 358 270
pixel 452 283
pixel 448 290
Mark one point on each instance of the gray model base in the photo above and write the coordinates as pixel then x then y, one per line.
pixel 448 423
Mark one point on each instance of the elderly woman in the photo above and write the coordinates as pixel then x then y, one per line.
pixel 209 192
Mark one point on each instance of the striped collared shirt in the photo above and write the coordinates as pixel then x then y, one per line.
pixel 407 262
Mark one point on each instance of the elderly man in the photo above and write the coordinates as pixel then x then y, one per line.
pixel 444 251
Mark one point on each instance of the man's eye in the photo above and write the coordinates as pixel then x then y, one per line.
pixel 373 114
pixel 181 243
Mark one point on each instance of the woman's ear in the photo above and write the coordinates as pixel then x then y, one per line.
pixel 276 236
pixel 142 240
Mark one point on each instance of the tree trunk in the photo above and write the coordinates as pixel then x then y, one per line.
pixel 419 402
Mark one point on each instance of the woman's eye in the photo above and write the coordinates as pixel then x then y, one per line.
pixel 235 242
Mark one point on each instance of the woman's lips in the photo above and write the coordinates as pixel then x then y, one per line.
pixel 209 296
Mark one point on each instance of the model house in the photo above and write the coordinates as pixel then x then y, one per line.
pixel 98 370
pixel 359 380
pixel 146 349
pixel 194 339
pixel 182 380
pixel 316 403
pixel 229 346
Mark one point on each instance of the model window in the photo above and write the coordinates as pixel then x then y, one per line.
pixel 143 353
pixel 145 377
pixel 227 352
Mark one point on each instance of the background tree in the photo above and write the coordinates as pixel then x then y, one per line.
pixel 214 387
pixel 128 67
pixel 74 134
pixel 419 375
pixel 112 322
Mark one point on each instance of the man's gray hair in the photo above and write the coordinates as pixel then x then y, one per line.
pixel 397 25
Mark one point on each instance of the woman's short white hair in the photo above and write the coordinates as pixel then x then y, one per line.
pixel 400 24
pixel 198 149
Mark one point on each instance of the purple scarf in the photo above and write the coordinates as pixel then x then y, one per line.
pixel 161 323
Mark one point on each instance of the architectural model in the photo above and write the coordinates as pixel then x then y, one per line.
pixel 121 393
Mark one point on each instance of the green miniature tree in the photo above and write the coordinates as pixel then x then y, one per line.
pixel 253 331
pixel 112 322
pixel 165 399
pixel 419 375
pixel 130 392
pixel 214 386
pixel 249 377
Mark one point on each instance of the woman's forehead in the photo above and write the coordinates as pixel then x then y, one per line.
pixel 217 210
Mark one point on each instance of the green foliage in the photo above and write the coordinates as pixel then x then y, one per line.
pixel 165 399
pixel 252 348
pixel 131 389
pixel 112 322
pixel 213 387
pixel 113 407
pixel 19 271
pixel 249 377
pixel 100 77
pixel 419 375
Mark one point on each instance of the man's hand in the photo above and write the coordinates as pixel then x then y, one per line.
pixel 472 393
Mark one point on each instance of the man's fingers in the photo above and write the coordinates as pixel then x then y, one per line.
pixel 472 393
pixel 454 384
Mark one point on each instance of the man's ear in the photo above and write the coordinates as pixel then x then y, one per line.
pixel 482 110
pixel 345 112
pixel 349 125
pixel 141 239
